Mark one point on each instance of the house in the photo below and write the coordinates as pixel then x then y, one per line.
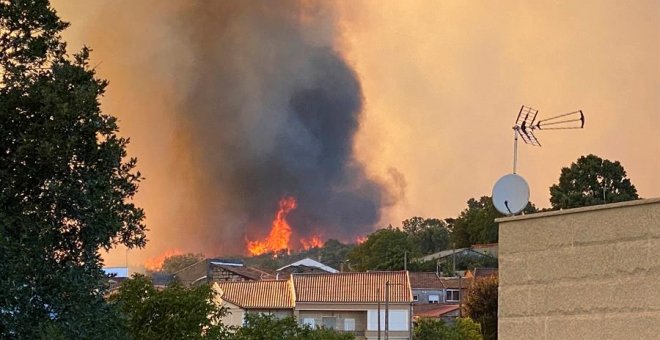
pixel 356 302
pixel 456 289
pixel 305 265
pixel 447 255
pixel 114 276
pixel 241 297
pixel 161 279
pixel 220 270
pixel 486 248
pixel 444 312
pixel 427 288
pixel 437 297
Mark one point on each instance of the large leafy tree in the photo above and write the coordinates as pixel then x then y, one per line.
pixel 175 263
pixel 428 235
pixel 591 180
pixel 481 305
pixel 65 183
pixel 175 312
pixel 476 224
pixel 334 253
pixel 384 249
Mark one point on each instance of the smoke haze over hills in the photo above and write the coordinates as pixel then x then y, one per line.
pixel 432 89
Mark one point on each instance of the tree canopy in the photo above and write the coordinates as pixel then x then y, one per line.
pixel 428 235
pixel 462 329
pixel 591 180
pixel 481 305
pixel 476 224
pixel 333 253
pixel 67 186
pixel 268 327
pixel 175 312
pixel 175 263
pixel 383 249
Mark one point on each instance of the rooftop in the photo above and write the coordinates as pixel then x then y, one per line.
pixel 433 310
pixel 455 283
pixel 579 210
pixel 307 262
pixel 483 272
pixel 425 280
pixel 352 287
pixel 257 294
pixel 248 272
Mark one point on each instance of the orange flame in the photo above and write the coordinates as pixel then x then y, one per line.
pixel 155 263
pixel 312 242
pixel 360 239
pixel 280 231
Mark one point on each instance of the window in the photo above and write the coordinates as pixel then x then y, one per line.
pixel 415 298
pixel 329 322
pixel 309 322
pixel 349 324
pixel 452 295
pixel 434 298
pixel 399 320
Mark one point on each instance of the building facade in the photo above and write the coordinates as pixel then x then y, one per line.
pixel 585 273
pixel 358 303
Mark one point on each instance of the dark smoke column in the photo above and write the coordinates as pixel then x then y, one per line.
pixel 273 110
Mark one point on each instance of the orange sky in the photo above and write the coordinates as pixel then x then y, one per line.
pixel 442 81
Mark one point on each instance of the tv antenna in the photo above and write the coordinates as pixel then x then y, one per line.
pixel 511 192
pixel 526 124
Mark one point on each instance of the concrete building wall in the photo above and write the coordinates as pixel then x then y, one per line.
pixel 586 273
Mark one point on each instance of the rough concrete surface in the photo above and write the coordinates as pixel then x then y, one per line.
pixel 586 273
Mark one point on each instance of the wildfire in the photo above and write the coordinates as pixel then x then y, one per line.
pixel 312 242
pixel 360 239
pixel 280 232
pixel 156 263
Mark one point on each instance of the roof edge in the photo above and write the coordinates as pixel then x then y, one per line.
pixel 654 200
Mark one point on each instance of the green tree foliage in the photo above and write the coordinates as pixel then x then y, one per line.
pixel 428 235
pixel 462 329
pixel 481 305
pixel 66 186
pixel 476 224
pixel 384 249
pixel 590 181
pixel 175 263
pixel 334 253
pixel 467 262
pixel 268 327
pixel 175 312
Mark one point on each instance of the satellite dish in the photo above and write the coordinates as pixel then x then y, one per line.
pixel 510 194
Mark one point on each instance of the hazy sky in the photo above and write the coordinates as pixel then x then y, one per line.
pixel 442 82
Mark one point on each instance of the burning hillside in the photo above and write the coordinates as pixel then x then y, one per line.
pixel 279 237
pixel 260 105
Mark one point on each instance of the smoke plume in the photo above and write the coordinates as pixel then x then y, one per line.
pixel 264 106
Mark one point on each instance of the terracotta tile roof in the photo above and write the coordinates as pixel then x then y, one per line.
pixel 257 294
pixel 429 280
pixel 452 283
pixel 433 310
pixel 352 287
